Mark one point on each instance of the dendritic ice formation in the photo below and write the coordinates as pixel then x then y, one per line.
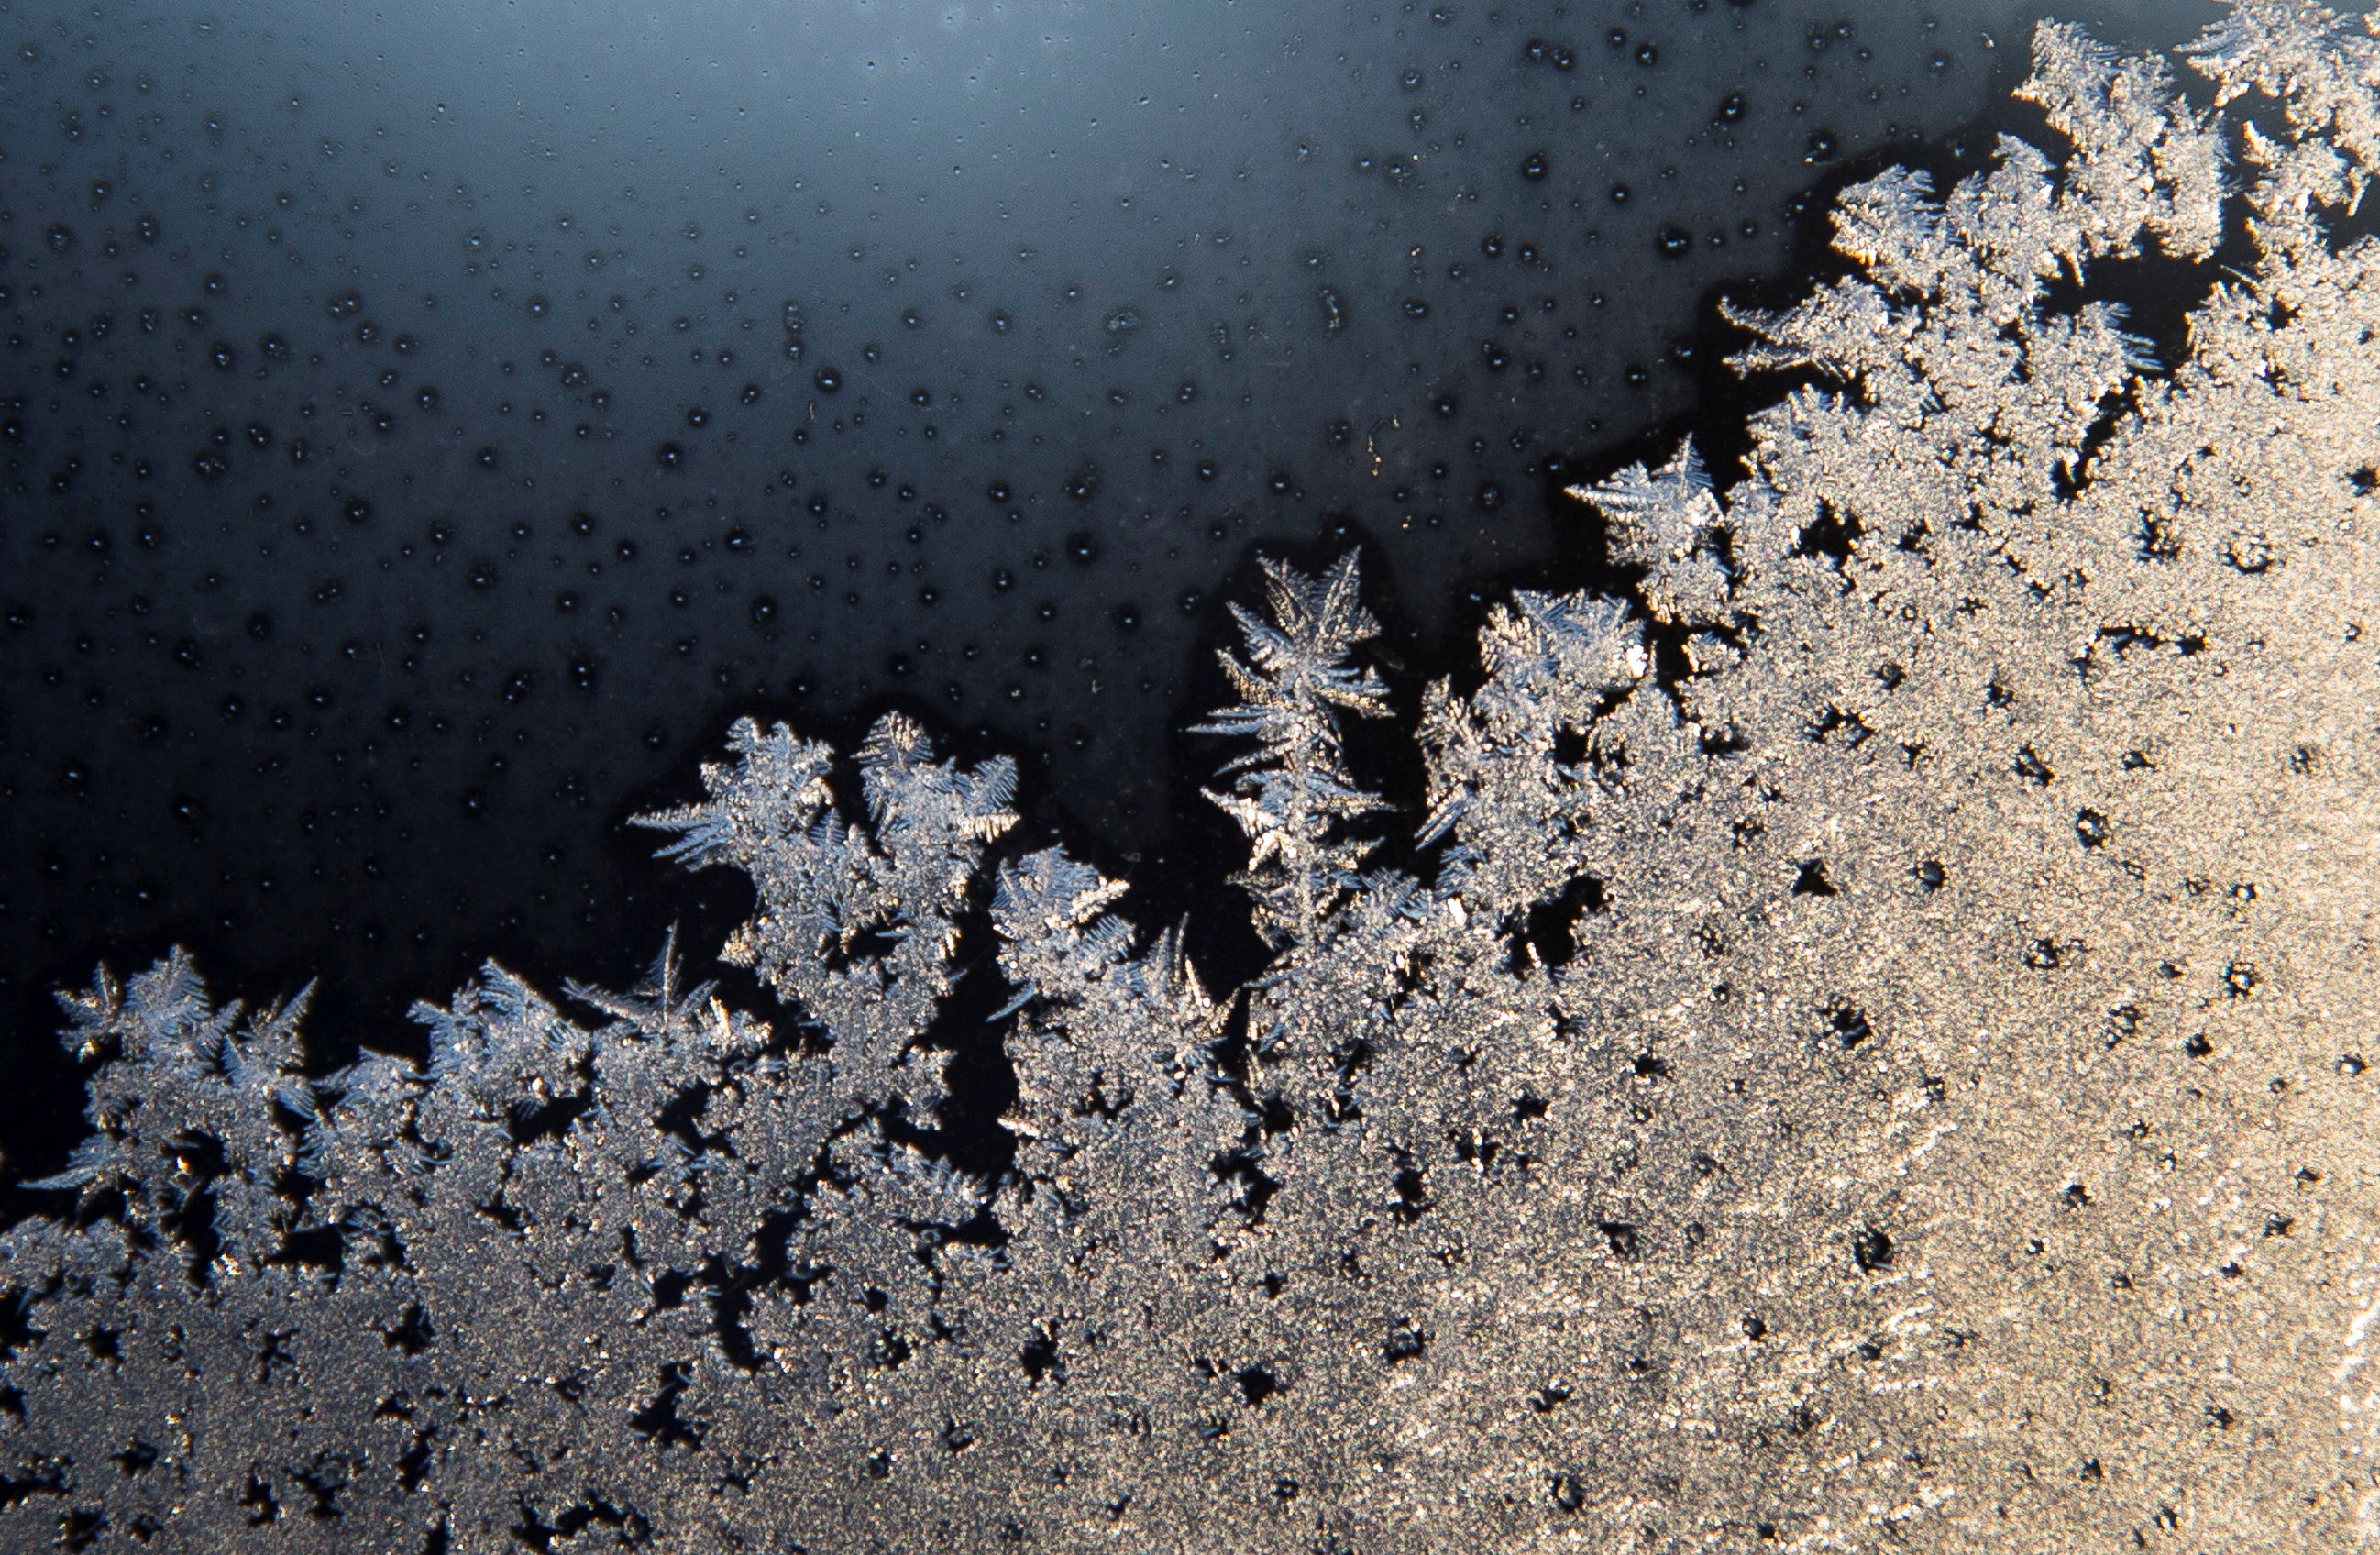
pixel 1869 1053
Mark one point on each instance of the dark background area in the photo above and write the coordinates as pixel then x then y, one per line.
pixel 421 434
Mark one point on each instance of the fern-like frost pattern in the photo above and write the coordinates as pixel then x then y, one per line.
pixel 1862 1046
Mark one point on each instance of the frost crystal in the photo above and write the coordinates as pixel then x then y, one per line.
pixel 1294 795
pixel 1664 521
pixel 854 930
pixel 1869 1053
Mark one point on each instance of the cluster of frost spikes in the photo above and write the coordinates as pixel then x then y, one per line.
pixel 856 927
pixel 1899 1080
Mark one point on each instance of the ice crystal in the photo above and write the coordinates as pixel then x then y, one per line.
pixel 1294 795
pixel 1665 521
pixel 1866 1050
pixel 855 930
